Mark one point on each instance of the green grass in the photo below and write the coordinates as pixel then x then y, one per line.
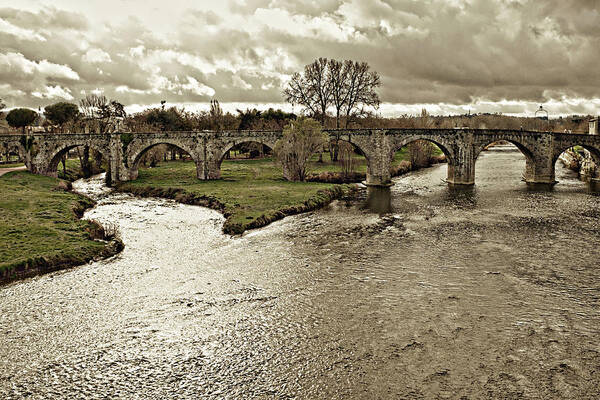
pixel 74 170
pixel 12 165
pixel 251 193
pixel 248 191
pixel 38 224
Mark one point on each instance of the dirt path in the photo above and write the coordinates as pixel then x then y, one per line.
pixel 5 170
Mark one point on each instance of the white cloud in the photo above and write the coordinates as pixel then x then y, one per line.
pixel 238 82
pixel 96 56
pixel 137 51
pixel 53 92
pixel 7 90
pixel 198 88
pixel 19 62
pixel 18 32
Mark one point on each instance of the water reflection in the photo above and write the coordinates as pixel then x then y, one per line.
pixel 540 187
pixel 379 200
pixel 461 195
pixel 594 187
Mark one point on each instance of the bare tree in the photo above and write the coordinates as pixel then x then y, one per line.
pixel 348 87
pixel 347 161
pixel 359 89
pixel 311 89
pixel 100 113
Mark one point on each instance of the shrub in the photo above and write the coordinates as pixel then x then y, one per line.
pixel 301 139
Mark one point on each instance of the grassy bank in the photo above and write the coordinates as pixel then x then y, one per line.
pixel 251 193
pixel 40 229
pixel 73 170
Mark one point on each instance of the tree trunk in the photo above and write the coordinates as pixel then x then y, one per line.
pixel 85 162
pixel 64 163
pixel 336 150
pixel 98 160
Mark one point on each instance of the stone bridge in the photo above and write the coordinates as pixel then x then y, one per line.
pixel 123 151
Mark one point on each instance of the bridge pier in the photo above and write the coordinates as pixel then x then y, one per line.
pixel 539 172
pixel 378 172
pixel 461 169
pixel 378 149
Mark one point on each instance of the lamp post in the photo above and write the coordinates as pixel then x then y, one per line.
pixel 540 111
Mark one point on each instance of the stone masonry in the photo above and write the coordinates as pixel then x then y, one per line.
pixel 42 151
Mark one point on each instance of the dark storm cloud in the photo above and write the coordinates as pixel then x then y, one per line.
pixel 428 52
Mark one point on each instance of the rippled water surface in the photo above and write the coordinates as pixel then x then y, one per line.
pixel 492 292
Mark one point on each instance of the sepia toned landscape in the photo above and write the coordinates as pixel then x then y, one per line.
pixel 312 200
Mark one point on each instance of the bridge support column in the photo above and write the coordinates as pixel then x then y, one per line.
pixel 378 173
pixel 116 167
pixel 540 171
pixel 379 160
pixel 461 170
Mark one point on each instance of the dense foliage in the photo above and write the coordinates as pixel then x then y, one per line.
pixel 301 139
pixel 61 113
pixel 21 117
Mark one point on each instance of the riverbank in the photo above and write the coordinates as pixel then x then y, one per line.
pixel 41 229
pixel 251 193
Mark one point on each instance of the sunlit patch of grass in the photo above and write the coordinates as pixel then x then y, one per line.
pixel 39 224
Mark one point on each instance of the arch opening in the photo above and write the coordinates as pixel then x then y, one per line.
pixel 580 160
pixel 340 161
pixel 164 156
pixel 242 159
pixel 12 155
pixel 514 159
pixel 246 150
pixel 78 161
pixel 417 153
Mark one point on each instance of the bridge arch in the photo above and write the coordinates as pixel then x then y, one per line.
pixel 213 170
pixel 594 152
pixel 55 155
pixel 138 148
pixel 230 145
pixel 529 154
pixel 17 148
pixel 446 148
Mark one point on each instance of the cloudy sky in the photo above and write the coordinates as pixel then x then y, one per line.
pixel 449 56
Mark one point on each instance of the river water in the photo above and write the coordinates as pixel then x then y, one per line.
pixel 492 292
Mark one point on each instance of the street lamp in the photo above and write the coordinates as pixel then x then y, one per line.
pixel 540 111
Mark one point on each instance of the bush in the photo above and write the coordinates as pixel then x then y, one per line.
pixel 421 153
pixel 301 139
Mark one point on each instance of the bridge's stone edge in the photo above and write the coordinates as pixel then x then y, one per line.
pixel 462 147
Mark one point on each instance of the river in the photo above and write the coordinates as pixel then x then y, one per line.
pixel 492 292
